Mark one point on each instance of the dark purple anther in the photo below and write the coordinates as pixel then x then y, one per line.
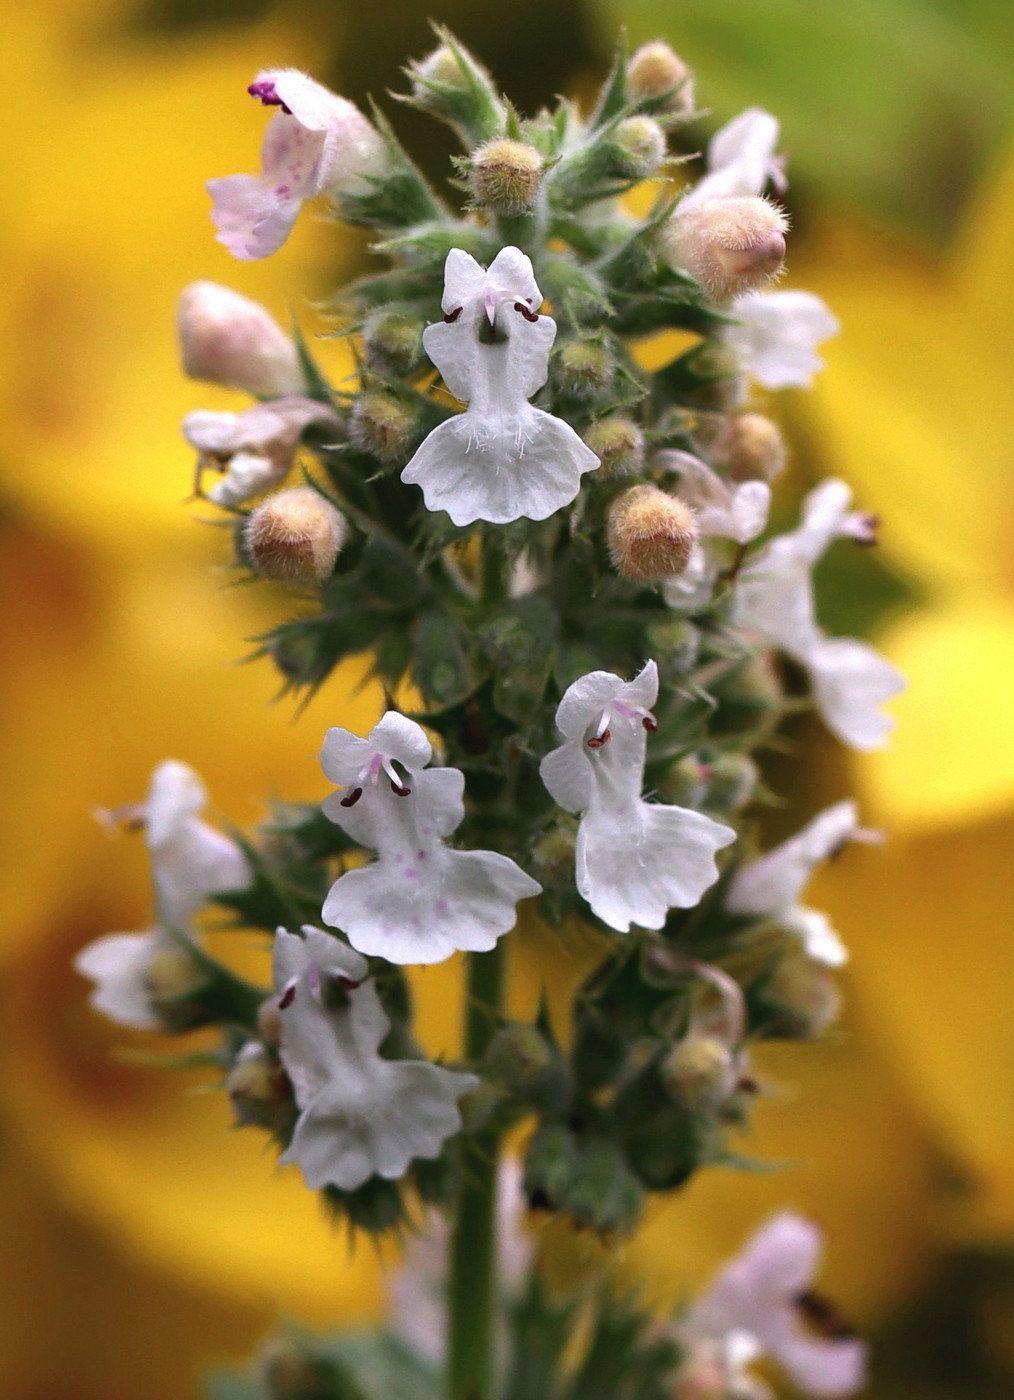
pixel 650 723
pixel 867 534
pixel 352 798
pixel 267 94
pixel 528 315
pixel 452 316
pixel 400 791
pixel 599 739
pixel 346 983
pixel 287 997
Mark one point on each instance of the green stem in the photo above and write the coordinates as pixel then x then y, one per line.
pixel 472 1290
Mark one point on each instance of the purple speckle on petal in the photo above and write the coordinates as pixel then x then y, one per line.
pixel 267 93
pixel 420 855
pixel 441 907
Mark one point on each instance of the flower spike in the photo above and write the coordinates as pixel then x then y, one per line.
pixel 501 459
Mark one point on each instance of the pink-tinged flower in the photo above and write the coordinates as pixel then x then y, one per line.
pixel 776 334
pixel 774 597
pixel 418 902
pixel 228 339
pixel 316 143
pixel 772 886
pixel 766 1295
pixel 190 863
pixel 635 860
pixel 255 449
pixel 360 1115
pixel 741 160
pixel 501 459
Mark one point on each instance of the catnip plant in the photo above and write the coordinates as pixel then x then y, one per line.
pixel 559 565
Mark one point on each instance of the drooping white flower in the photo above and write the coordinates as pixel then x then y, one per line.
pixel 635 860
pixel 776 334
pixel 741 159
pixel 418 902
pixel 317 143
pixel 735 511
pixel 501 459
pixel 256 448
pixel 190 862
pixel 766 1294
pixel 360 1115
pixel 229 339
pixel 772 886
pixel 774 597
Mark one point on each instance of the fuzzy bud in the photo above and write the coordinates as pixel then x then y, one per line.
pixel 700 1072
pixel 585 368
pixel 730 246
pixel 505 176
pixel 384 426
pixel 519 1056
pixel 638 147
pixel 619 445
pixel 750 447
pixel 294 537
pixel 259 1089
pixel 804 997
pixel 228 339
pixel 269 1021
pixel 731 780
pixel 454 85
pixel 176 982
pixel 655 70
pixel 392 341
pixel 439 67
pixel 651 533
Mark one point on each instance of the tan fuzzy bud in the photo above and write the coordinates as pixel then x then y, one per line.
pixel 381 424
pixel 729 245
pixel 619 445
pixel 639 146
pixel 295 537
pixel 173 973
pixel 656 69
pixel 258 1087
pixel 700 1072
pixel 585 368
pixel 228 339
pixel 805 995
pixel 505 176
pixel 393 341
pixel 269 1021
pixel 651 533
pixel 750 447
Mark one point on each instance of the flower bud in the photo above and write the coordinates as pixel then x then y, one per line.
pixel 700 1072
pixel 729 245
pixel 638 147
pixel 505 176
pixel 585 368
pixel 731 779
pixel 656 69
pixel 651 533
pixel 619 445
pixel 686 781
pixel 519 1055
pixel 392 341
pixel 804 997
pixel 453 85
pixel 175 981
pixel 258 1089
pixel 382 425
pixel 228 339
pixel 269 1021
pixel 439 67
pixel 294 537
pixel 750 447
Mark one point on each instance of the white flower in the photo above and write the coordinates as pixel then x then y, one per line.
pixel 776 334
pixel 774 597
pixel 231 340
pixel 772 886
pixel 736 512
pixel 360 1115
pixel 501 459
pixel 766 1293
pixel 190 862
pixel 741 159
pixel 317 143
pixel 635 860
pixel 418 902
pixel 255 449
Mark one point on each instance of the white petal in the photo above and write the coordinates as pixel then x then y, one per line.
pixel 850 682
pixel 344 755
pixel 741 159
pixel 692 589
pixel 252 219
pixel 817 935
pixel 584 701
pixel 774 883
pixel 414 914
pixel 248 474
pixel 823 1368
pixel 213 432
pixel 567 775
pixel 118 965
pixel 777 334
pixel 463 280
pixel 512 274
pixel 175 794
pixel 634 866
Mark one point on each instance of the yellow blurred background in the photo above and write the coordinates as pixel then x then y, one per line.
pixel 143 1238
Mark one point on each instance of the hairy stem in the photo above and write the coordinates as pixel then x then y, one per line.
pixel 473 1279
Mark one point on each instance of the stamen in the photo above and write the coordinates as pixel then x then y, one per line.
pixel 267 94
pixel 528 315
pixel 452 316
pixel 287 997
pixel 352 798
pixel 346 983
pixel 397 786
pixel 399 790
pixel 822 1316
pixel 598 740
pixel 650 723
